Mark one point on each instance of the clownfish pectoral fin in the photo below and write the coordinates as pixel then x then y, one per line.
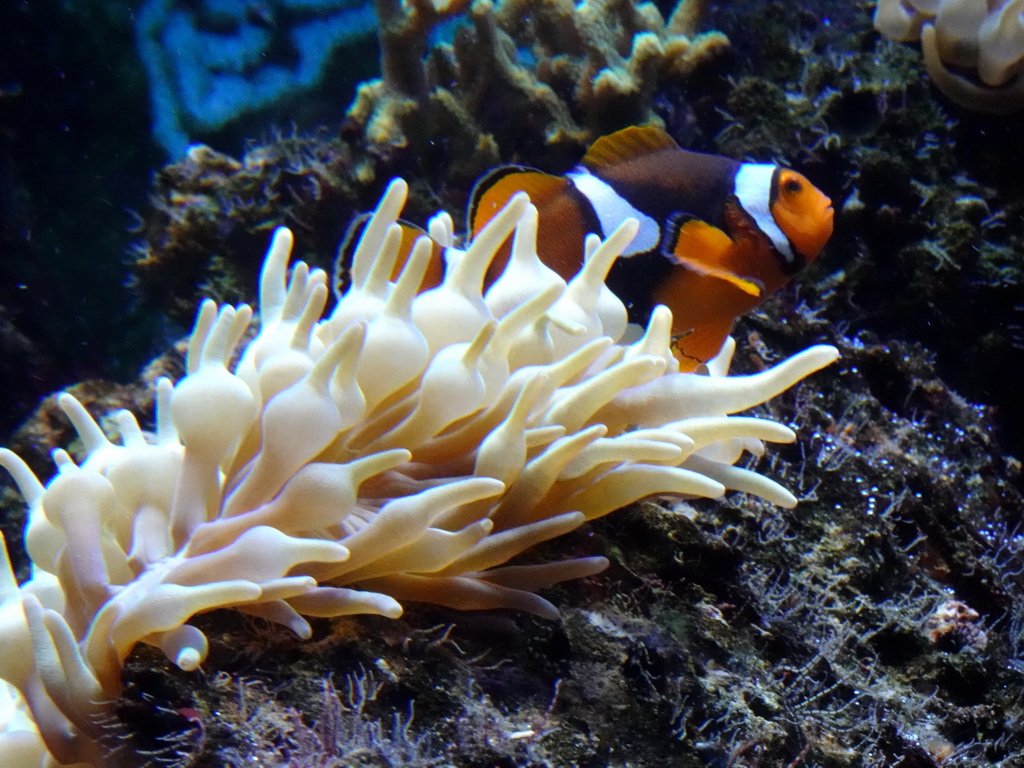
pixel 410 234
pixel 703 248
pixel 496 188
pixel 750 287
pixel 627 144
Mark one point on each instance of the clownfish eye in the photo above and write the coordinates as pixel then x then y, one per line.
pixel 791 186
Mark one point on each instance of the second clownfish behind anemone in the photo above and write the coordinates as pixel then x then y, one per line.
pixel 716 235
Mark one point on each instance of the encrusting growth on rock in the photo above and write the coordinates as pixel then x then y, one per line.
pixel 405 447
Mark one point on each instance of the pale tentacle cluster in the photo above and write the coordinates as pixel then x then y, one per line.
pixel 984 38
pixel 405 447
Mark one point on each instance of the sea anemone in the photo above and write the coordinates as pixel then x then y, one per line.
pixel 973 50
pixel 404 448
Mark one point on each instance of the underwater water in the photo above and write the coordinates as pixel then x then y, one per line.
pixel 149 149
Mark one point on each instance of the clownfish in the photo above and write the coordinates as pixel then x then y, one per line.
pixel 716 235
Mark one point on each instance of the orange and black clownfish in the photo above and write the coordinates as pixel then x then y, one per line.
pixel 716 235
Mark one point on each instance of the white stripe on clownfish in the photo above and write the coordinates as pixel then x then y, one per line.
pixel 612 209
pixel 753 189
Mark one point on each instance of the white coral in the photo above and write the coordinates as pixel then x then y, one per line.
pixel 403 448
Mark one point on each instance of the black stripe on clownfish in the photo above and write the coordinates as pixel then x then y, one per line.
pixel 716 235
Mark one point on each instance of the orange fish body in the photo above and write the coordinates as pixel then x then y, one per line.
pixel 716 235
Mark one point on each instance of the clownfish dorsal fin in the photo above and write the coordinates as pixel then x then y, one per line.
pixel 497 187
pixel 703 248
pixel 627 144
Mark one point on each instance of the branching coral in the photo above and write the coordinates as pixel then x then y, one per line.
pixel 403 448
pixel 984 38
pixel 572 71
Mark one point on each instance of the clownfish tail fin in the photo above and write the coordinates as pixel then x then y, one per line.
pixel 410 234
pixel 497 187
